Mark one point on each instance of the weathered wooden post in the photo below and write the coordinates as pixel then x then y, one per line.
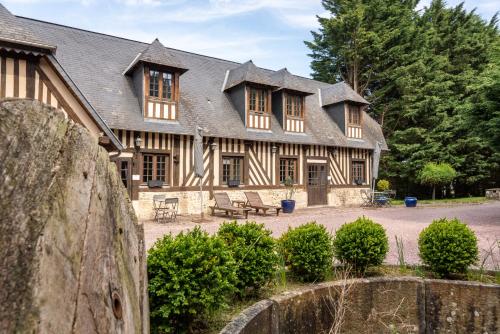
pixel 72 255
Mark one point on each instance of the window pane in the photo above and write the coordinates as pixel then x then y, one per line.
pixel 232 169
pixel 358 171
pixel 147 168
pixel 289 105
pixel 262 101
pixel 167 86
pixel 161 166
pixel 124 172
pixel 354 115
pixel 253 99
pixel 153 83
pixel 288 168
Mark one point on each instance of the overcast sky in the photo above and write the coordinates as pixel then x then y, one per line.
pixel 270 32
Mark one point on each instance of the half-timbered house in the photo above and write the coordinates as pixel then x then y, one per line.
pixel 259 126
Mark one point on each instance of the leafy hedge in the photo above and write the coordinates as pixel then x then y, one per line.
pixel 254 250
pixel 361 244
pixel 448 247
pixel 308 251
pixel 189 275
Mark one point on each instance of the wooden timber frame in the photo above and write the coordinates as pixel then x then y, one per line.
pixel 260 164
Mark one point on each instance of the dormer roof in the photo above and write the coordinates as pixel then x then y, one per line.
pixel 248 72
pixel 17 34
pixel 288 81
pixel 339 92
pixel 157 54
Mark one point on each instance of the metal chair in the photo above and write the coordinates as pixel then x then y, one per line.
pixel 366 196
pixel 171 209
pixel 390 194
pixel 158 205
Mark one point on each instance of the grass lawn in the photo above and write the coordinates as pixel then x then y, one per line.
pixel 464 200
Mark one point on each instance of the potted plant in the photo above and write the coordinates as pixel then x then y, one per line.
pixel 288 204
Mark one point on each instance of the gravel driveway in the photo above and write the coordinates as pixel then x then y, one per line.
pixel 484 219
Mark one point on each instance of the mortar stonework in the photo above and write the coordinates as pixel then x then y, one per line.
pixel 377 305
pixel 189 201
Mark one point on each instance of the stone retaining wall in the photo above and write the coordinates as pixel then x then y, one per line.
pixel 377 305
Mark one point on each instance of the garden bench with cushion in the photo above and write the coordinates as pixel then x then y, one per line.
pixel 255 202
pixel 223 203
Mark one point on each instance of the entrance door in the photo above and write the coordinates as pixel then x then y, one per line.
pixel 125 169
pixel 317 184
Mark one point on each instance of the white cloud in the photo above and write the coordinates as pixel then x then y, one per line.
pixel 219 9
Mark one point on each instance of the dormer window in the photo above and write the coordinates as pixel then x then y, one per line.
pixel 295 106
pixel 354 118
pixel 161 87
pixel 293 111
pixel 354 115
pixel 258 108
pixel 258 100
pixel 162 95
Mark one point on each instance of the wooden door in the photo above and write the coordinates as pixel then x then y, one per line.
pixel 317 184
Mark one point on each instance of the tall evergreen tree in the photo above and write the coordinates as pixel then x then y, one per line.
pixel 419 70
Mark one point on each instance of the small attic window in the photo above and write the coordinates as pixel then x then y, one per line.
pixel 258 100
pixel 161 93
pixel 354 115
pixel 161 87
pixel 294 106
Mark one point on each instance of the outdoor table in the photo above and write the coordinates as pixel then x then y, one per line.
pixel 240 203
pixel 380 198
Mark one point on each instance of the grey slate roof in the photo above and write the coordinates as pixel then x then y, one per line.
pixel 285 80
pixel 156 53
pixel 96 62
pixel 339 92
pixel 13 32
pixel 248 72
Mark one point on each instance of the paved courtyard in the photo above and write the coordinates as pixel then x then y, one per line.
pixel 484 219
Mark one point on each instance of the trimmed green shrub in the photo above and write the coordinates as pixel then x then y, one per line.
pixel 189 276
pixel 308 251
pixel 254 251
pixel 448 247
pixel 383 185
pixel 361 244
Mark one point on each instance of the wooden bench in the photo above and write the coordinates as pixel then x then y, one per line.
pixel 255 202
pixel 223 203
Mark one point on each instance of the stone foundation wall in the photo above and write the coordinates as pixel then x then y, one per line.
pixel 377 305
pixel 189 201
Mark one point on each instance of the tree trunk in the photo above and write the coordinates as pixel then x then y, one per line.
pixel 433 193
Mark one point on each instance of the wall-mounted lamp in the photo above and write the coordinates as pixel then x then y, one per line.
pixel 274 149
pixel 333 151
pixel 176 159
pixel 213 146
pixel 138 142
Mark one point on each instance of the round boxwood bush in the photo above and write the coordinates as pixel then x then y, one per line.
pixel 448 247
pixel 360 244
pixel 307 250
pixel 189 275
pixel 383 185
pixel 254 251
